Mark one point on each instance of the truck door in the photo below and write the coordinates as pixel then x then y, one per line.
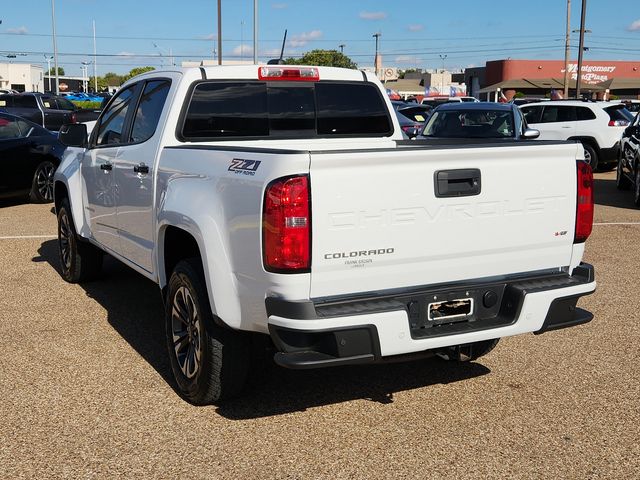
pixel 134 175
pixel 97 169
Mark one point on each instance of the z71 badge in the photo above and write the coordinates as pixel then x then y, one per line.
pixel 244 167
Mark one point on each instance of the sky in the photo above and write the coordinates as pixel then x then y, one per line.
pixel 416 34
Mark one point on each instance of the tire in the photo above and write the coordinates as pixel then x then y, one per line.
pixel 636 187
pixel 209 363
pixel 79 261
pixel 469 351
pixel 42 183
pixel 590 156
pixel 622 182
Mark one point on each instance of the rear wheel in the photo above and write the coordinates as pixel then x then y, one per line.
pixel 590 156
pixel 79 261
pixel 42 183
pixel 622 182
pixel 209 363
pixel 636 187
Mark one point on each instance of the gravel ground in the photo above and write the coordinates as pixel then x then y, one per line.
pixel 86 390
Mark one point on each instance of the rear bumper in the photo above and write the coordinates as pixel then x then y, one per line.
pixel 379 327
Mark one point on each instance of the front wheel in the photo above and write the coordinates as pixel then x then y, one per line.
pixel 42 183
pixel 590 156
pixel 209 363
pixel 79 261
pixel 636 187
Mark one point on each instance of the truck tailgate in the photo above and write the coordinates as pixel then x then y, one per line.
pixel 378 224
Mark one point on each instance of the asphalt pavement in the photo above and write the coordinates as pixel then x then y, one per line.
pixel 86 390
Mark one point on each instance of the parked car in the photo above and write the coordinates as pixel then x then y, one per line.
pixel 411 117
pixel 632 105
pixel 48 111
pixel 435 101
pixel 628 170
pixel 82 97
pixel 526 100
pixel 29 156
pixel 499 121
pixel 598 125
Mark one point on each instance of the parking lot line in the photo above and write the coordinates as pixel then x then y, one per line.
pixel 616 223
pixel 23 237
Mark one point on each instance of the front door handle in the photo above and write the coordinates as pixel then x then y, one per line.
pixel 107 167
pixel 141 168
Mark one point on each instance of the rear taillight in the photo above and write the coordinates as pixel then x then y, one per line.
pixel 286 226
pixel 74 118
pixel 584 209
pixel 618 123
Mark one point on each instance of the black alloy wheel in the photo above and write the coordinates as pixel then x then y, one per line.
pixel 42 185
pixel 636 187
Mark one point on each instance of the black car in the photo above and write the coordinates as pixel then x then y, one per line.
pixel 628 171
pixel 29 156
pixel 411 116
pixel 477 120
pixel 48 111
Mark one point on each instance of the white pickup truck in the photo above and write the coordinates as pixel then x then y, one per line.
pixel 282 203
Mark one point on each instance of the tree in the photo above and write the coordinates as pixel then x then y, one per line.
pixel 52 71
pixel 136 71
pixel 323 58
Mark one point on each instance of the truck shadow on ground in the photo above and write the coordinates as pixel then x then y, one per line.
pixel 606 193
pixel 134 309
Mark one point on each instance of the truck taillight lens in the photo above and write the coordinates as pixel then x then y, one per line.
pixel 286 226
pixel 74 118
pixel 584 209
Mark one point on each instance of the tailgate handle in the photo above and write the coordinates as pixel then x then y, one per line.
pixel 457 183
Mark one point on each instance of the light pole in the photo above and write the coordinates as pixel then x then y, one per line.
pixel 85 80
pixel 581 47
pixel 375 59
pixel 48 60
pixel 341 47
pixel 566 51
pixel 55 45
pixel 443 58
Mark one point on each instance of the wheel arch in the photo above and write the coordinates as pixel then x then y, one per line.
pixel 586 139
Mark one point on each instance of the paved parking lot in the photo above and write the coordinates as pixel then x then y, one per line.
pixel 86 388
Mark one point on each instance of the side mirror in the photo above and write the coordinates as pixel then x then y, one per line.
pixel 73 135
pixel 531 134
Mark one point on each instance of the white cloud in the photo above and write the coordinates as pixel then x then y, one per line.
pixel 415 27
pixel 279 6
pixel 243 50
pixel 304 38
pixel 407 59
pixel 211 36
pixel 635 26
pixel 18 31
pixel 373 15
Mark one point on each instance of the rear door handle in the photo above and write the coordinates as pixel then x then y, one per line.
pixel 464 182
pixel 107 167
pixel 141 168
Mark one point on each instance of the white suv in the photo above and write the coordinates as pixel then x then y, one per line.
pixel 598 125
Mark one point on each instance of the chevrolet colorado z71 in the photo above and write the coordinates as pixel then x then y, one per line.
pixel 282 203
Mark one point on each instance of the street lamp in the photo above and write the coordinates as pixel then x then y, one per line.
pixel 443 57
pixel 85 73
pixel 48 60
pixel 375 59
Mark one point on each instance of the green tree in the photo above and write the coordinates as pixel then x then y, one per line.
pixel 323 58
pixel 52 71
pixel 136 71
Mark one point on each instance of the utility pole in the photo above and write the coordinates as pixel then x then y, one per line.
pixel 241 41
pixel 443 58
pixel 566 51
pixel 219 32
pixel 581 47
pixel 341 47
pixel 375 59
pixel 255 32
pixel 48 60
pixel 55 45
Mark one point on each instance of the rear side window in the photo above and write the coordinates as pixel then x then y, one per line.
pixel 149 109
pixel 27 101
pixel 532 114
pixel 556 113
pixel 584 113
pixel 619 113
pixel 63 104
pixel 278 109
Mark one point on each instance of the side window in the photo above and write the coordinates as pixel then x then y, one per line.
pixel 149 110
pixel 63 104
pixel 584 113
pixel 9 129
pixel 558 113
pixel 532 114
pixel 26 101
pixel 112 123
pixel 6 101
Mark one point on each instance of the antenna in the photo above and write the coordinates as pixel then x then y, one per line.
pixel 279 61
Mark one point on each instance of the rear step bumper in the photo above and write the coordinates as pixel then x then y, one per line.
pixel 380 327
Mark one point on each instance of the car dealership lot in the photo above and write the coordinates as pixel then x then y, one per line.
pixel 87 387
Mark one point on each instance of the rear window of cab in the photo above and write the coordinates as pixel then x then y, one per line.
pixel 259 109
